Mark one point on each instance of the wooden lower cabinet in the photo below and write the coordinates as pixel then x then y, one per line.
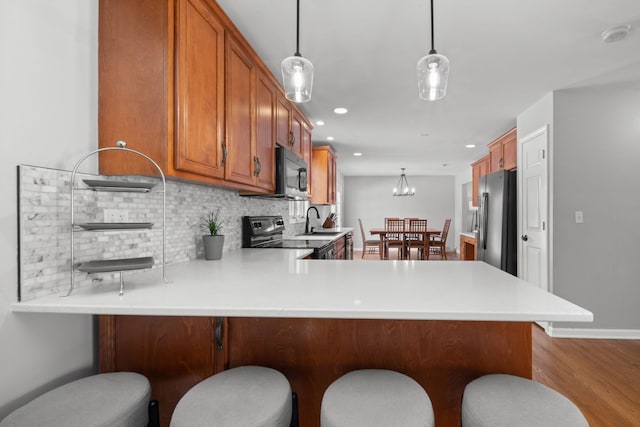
pixel 467 248
pixel 176 353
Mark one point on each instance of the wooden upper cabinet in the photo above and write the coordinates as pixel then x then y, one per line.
pixel 200 90
pixel 478 168
pixel 307 155
pixel 264 162
pixel 296 133
pixel 510 150
pixel 179 83
pixel 240 109
pixel 502 152
pixel 283 122
pixel 323 169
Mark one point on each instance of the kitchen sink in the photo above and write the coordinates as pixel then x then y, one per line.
pixel 321 233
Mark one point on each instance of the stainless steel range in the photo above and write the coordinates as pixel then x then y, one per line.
pixel 267 232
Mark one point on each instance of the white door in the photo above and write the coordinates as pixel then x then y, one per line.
pixel 533 262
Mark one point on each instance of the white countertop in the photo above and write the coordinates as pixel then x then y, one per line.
pixel 472 234
pixel 275 283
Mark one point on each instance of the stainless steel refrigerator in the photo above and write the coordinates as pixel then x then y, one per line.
pixel 497 240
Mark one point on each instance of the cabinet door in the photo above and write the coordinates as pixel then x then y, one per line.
pixel 495 157
pixel 331 177
pixel 296 132
pixel 283 122
pixel 509 151
pixel 323 166
pixel 240 109
pixel 478 168
pixel 199 90
pixel 264 164
pixel 174 353
pixel 307 152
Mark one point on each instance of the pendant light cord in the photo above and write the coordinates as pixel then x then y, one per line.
pixel 433 50
pixel 298 28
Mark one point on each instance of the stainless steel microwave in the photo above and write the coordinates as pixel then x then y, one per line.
pixel 291 175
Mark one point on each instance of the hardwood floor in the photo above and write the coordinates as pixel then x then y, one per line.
pixel 602 377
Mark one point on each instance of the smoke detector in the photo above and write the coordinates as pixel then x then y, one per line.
pixel 615 34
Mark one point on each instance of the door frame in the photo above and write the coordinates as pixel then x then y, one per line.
pixel 543 130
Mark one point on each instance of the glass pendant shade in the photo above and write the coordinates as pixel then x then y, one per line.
pixel 433 73
pixel 402 187
pixel 297 78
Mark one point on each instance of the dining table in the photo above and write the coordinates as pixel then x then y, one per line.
pixel 382 232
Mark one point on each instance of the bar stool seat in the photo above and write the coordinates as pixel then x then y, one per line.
pixel 375 398
pixel 116 399
pixel 499 400
pixel 246 396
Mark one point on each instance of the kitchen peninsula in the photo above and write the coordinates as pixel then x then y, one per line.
pixel 442 323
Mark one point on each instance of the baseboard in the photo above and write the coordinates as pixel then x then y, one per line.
pixel 612 334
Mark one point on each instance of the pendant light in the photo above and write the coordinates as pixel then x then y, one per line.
pixel 402 187
pixel 433 72
pixel 297 72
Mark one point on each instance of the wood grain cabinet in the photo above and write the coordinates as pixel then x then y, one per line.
pixel 502 152
pixel 340 248
pixel 323 169
pixel 478 168
pixel 174 353
pixel 467 248
pixel 502 155
pixel 187 90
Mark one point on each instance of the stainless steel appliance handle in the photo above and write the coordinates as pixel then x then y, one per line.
pixel 484 209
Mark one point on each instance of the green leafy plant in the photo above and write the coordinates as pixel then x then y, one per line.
pixel 212 223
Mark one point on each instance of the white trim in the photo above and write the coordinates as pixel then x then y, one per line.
pixel 614 334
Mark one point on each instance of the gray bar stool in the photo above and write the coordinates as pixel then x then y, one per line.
pixel 117 399
pixel 375 398
pixel 499 400
pixel 246 396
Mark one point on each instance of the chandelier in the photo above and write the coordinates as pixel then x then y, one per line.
pixel 402 187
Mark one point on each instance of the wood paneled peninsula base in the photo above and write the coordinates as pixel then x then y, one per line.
pixel 175 353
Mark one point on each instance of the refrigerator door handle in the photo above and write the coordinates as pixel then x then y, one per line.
pixel 484 208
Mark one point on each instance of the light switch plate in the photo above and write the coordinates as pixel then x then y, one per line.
pixel 579 217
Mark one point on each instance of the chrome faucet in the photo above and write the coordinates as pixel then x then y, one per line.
pixel 306 225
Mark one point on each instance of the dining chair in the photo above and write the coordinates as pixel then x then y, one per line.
pixel 437 243
pixel 369 246
pixel 394 236
pixel 415 236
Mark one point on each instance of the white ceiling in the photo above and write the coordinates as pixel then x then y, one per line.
pixel 505 55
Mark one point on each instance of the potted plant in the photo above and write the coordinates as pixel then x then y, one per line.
pixel 214 241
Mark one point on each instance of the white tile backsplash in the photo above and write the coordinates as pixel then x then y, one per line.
pixel 45 225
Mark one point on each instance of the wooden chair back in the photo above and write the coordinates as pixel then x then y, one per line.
pixel 395 225
pixel 445 229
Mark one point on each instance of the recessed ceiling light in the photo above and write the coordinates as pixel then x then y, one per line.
pixel 470 146
pixel 329 138
pixel 340 110
pixel 615 34
pixel 320 123
pixel 357 154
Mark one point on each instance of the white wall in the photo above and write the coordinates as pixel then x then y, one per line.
pixel 594 149
pixel 596 170
pixel 369 198
pixel 48 117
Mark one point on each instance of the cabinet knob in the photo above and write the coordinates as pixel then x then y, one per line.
pixel 524 237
